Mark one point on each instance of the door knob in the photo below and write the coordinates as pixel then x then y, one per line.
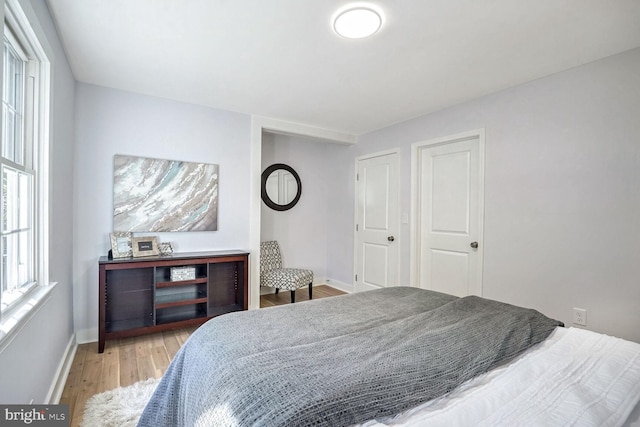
pixel 474 245
pixel 391 238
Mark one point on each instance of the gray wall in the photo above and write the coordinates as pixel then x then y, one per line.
pixel 561 191
pixel 29 364
pixel 113 122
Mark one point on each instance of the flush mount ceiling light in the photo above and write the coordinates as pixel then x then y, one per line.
pixel 357 22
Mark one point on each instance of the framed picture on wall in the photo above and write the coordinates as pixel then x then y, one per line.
pixel 121 244
pixel 145 246
pixel 155 195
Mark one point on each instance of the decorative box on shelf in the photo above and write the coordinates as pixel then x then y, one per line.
pixel 183 273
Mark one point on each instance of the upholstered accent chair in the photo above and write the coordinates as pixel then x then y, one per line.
pixel 274 276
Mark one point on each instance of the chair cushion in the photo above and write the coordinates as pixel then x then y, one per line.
pixel 287 278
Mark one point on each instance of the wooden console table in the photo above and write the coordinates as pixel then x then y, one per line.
pixel 142 295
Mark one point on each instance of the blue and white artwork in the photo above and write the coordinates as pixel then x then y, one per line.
pixel 153 195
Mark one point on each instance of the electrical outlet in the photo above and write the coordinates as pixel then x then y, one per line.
pixel 580 316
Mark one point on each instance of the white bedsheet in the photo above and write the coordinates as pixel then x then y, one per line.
pixel 575 377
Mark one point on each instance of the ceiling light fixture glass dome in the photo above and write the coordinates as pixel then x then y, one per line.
pixel 357 22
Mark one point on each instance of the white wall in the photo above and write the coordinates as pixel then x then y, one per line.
pixel 301 231
pixel 30 363
pixel 562 202
pixel 113 122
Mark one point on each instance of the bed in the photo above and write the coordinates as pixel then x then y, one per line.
pixel 397 356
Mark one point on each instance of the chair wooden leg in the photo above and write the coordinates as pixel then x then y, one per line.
pixel 293 297
pixel 277 291
pixel 310 291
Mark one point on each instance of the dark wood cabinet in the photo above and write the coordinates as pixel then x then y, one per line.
pixel 152 294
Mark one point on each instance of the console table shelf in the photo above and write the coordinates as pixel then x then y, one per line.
pixel 181 283
pixel 138 296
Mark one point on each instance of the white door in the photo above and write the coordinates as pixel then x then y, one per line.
pixel 377 222
pixel 448 220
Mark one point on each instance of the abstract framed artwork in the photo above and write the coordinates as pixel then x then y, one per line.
pixel 154 195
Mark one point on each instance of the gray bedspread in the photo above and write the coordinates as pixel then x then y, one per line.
pixel 338 361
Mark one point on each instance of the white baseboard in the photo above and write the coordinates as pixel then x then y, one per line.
pixel 56 389
pixel 341 286
pixel 365 287
pixel 319 280
pixel 85 336
pixel 265 290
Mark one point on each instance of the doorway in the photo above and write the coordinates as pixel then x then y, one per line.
pixel 447 213
pixel 377 237
pixel 260 125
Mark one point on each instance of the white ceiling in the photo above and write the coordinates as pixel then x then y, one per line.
pixel 281 59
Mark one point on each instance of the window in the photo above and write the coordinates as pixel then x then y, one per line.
pixel 23 193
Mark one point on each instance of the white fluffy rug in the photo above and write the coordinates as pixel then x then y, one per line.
pixel 120 407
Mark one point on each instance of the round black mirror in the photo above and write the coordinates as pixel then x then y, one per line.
pixel 281 187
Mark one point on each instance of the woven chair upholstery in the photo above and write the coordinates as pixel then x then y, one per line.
pixel 273 275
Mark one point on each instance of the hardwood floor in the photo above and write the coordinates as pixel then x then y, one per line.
pixel 129 360
pixel 284 297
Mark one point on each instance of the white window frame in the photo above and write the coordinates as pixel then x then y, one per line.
pixel 37 130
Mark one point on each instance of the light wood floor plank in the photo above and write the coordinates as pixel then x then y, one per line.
pixel 129 360
pixel 110 378
pixel 128 366
pixel 144 361
pixel 171 343
pixel 75 373
pixel 160 359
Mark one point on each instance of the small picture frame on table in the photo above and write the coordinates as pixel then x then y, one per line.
pixel 121 244
pixel 165 248
pixel 145 246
